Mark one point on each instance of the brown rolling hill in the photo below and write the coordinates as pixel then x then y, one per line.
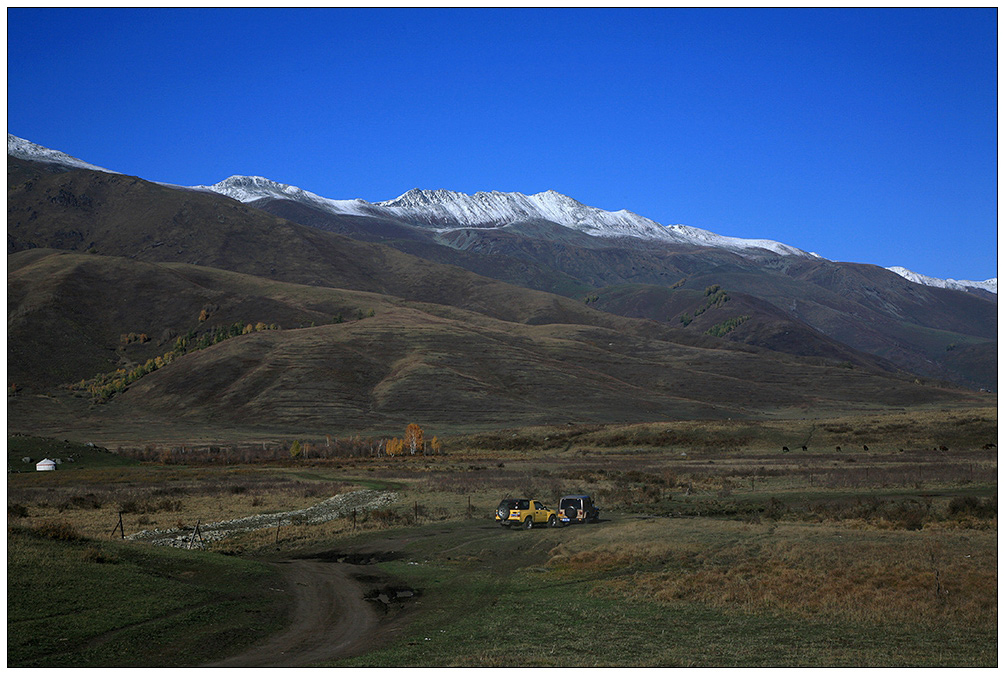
pixel 863 307
pixel 107 271
pixel 350 360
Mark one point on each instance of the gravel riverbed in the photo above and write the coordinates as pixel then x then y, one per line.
pixel 339 506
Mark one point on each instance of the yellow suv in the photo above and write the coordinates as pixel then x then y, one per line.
pixel 525 513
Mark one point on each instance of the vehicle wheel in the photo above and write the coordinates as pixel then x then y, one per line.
pixel 528 523
pixel 552 521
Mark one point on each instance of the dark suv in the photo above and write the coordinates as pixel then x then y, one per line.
pixel 578 509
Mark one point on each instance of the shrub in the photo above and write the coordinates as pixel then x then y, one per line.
pixel 972 506
pixel 60 530
pixel 96 555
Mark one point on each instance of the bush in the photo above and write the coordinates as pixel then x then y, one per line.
pixel 972 506
pixel 17 511
pixel 96 555
pixel 59 530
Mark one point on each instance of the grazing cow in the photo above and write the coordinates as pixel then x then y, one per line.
pixel 865 447
pixel 943 448
pixel 784 449
pixel 838 448
pixel 804 448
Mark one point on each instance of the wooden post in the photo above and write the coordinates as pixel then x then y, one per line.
pixel 119 526
pixel 416 513
pixel 197 533
pixel 278 526
pixel 353 519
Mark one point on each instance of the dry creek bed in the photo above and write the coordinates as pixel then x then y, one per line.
pixel 339 506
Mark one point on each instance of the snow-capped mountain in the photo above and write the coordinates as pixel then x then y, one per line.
pixel 248 189
pixel 988 285
pixel 444 210
pixel 22 149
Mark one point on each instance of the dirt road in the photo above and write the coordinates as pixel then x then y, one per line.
pixel 332 617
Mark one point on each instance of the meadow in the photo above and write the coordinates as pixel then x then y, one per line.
pixel 720 544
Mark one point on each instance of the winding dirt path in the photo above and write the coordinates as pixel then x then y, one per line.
pixel 331 618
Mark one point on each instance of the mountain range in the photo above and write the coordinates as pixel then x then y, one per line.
pixel 627 264
pixel 478 310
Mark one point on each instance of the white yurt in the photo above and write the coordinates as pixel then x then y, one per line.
pixel 46 465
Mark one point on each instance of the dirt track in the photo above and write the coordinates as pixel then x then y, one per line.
pixel 331 616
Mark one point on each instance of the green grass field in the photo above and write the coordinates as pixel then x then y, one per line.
pixel 715 548
pixel 86 603
pixel 493 599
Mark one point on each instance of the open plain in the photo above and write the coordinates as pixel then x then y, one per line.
pixel 874 545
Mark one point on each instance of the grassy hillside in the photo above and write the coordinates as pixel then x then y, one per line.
pixel 433 365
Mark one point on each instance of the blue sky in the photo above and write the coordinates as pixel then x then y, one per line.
pixel 864 135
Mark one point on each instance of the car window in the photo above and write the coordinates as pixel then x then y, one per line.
pixel 537 506
pixel 522 503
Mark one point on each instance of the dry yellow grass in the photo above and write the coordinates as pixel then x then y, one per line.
pixel 932 575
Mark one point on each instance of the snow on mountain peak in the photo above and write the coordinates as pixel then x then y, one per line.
pixel 23 149
pixel 447 209
pixel 924 280
pixel 248 189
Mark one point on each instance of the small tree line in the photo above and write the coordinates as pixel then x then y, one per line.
pixel 716 297
pixel 298 449
pixel 106 385
pixel 727 326
pixel 413 443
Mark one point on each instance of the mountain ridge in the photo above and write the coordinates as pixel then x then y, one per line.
pixel 548 205
pixel 461 211
pixel 447 210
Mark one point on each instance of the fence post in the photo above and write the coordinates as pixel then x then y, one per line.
pixel 119 527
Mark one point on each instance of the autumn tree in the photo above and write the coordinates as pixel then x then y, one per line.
pixel 413 438
pixel 295 449
pixel 395 446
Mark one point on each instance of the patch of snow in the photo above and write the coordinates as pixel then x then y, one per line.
pixel 22 149
pixel 924 280
pixel 249 189
pixel 445 210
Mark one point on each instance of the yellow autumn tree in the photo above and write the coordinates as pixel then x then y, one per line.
pixel 413 438
pixel 435 446
pixel 395 446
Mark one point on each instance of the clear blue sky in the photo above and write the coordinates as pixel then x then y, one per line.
pixel 864 135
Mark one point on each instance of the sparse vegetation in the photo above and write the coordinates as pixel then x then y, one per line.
pixel 727 326
pixel 103 387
